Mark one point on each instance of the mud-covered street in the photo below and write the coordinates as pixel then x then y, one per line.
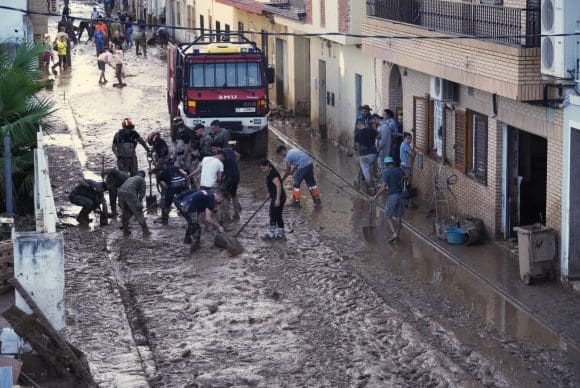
pixel 325 309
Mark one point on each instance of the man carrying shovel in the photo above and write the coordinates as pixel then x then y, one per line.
pixel 195 207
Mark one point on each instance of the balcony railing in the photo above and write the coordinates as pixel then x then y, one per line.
pixel 294 9
pixel 513 26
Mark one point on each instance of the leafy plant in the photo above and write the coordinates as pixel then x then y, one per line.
pixel 21 112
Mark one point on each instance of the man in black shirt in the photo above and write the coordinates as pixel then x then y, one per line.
pixel 173 180
pixel 365 139
pixel 90 196
pixel 197 206
pixel 231 179
pixel 182 145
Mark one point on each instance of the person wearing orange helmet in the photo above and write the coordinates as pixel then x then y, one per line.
pixel 159 151
pixel 125 145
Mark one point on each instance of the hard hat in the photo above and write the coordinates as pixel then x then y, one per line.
pixel 178 121
pixel 152 137
pixel 128 124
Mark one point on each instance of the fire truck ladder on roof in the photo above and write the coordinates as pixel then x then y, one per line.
pixel 212 38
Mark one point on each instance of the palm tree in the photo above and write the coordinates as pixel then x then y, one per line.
pixel 21 112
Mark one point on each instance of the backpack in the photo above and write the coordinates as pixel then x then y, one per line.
pixel 183 201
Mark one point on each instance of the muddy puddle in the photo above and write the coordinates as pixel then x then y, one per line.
pixel 345 217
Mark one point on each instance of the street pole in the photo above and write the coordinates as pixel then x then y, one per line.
pixel 8 175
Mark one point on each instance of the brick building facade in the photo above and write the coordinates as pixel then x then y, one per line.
pixel 491 134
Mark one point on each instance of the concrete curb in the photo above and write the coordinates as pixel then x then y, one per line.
pixel 439 248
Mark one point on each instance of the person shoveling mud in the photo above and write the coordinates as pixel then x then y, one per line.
pixel 198 206
pixel 90 196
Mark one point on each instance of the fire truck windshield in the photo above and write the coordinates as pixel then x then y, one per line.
pixel 225 75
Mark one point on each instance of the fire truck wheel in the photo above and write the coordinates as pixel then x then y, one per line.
pixel 260 146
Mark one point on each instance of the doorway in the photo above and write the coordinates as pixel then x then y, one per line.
pixel 322 97
pixel 281 66
pixel 527 159
pixel 395 101
pixel 302 79
pixel 574 206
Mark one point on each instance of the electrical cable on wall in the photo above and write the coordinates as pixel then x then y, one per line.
pixel 320 35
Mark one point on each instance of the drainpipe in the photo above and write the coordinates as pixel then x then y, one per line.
pixel 577 73
pixel 8 175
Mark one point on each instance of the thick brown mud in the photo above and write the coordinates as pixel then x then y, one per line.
pixel 323 309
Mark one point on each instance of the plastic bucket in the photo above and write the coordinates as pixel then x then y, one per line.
pixel 455 236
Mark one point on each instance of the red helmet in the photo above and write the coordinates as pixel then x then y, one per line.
pixel 152 137
pixel 128 124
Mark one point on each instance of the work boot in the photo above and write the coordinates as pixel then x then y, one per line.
pixel 237 207
pixel 187 239
pixel 236 216
pixel 315 194
pixel 195 246
pixel 83 219
pixel 146 231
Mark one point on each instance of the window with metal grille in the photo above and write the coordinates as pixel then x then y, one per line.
pixel 471 136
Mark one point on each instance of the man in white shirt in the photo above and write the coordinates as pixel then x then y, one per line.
pixel 105 58
pixel 212 171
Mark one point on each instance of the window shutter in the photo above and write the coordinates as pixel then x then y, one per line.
pixel 430 127
pixel 480 157
pixel 460 137
pixel 444 136
pixel 421 123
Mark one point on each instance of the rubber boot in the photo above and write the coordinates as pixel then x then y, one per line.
pixel 146 231
pixel 315 193
pixel 296 197
pixel 187 239
pixel 125 226
pixel 164 217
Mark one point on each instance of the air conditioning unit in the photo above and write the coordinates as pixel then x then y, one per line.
pixel 442 89
pixel 559 17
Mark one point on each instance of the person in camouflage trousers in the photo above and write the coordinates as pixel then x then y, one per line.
pixel 131 195
pixel 114 179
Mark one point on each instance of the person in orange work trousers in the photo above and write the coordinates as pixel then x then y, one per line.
pixel 300 164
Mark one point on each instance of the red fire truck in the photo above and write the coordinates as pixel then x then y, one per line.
pixel 223 77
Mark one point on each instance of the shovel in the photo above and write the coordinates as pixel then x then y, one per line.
pixel 231 243
pixel 151 199
pixel 369 231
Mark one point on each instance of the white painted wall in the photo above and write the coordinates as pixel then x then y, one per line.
pixel 13 25
pixel 39 266
pixel 341 66
pixel 571 120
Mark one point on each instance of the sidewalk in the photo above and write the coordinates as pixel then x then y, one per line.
pixel 555 307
